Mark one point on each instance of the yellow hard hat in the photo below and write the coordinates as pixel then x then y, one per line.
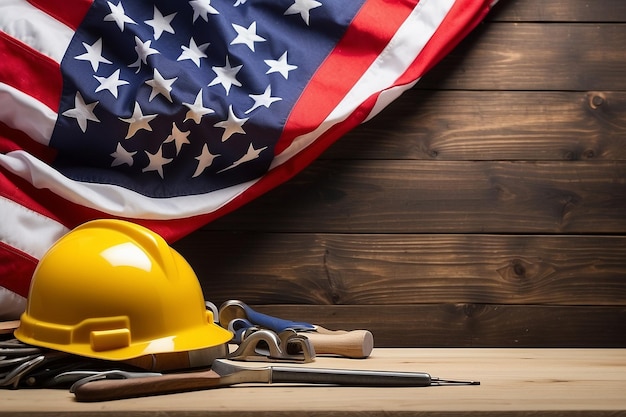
pixel 112 289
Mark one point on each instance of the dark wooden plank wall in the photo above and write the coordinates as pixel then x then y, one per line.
pixel 486 207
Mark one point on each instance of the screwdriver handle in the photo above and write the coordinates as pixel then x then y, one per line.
pixel 355 344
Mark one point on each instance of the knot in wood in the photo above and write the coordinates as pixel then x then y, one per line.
pixel 596 100
pixel 518 268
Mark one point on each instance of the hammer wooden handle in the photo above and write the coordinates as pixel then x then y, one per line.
pixel 117 389
pixel 356 344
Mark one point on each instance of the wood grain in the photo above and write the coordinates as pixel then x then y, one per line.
pixel 559 11
pixel 471 325
pixel 514 382
pixel 535 56
pixel 443 197
pixel 492 125
pixel 348 269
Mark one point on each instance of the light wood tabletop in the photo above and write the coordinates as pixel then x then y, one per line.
pixel 551 382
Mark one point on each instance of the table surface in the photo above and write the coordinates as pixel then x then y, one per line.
pixel 534 382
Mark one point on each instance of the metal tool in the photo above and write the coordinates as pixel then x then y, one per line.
pixel 225 373
pixel 241 319
pixel 88 376
pixel 235 309
pixel 24 365
pixel 264 345
pixel 13 377
pixel 241 328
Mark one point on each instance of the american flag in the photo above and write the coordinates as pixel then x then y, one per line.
pixel 170 113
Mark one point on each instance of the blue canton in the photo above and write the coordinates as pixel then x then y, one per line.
pixel 171 98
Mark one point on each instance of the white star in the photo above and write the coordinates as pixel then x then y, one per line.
pixel 193 52
pixel 197 109
pixel 205 160
pixel 303 7
pixel 118 15
pixel 122 156
pixel 280 65
pixel 247 36
pixel 138 121
pixel 161 23
pixel 264 99
pixel 93 55
pixel 249 156
pixel 201 8
pixel 82 112
pixel 178 137
pixel 144 50
pixel 111 83
pixel 231 125
pixel 160 86
pixel 226 75
pixel 157 161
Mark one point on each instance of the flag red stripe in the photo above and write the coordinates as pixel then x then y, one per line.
pixel 16 268
pixel 460 20
pixel 13 140
pixel 365 38
pixel 70 14
pixel 22 67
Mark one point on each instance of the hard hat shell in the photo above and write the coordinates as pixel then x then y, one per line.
pixel 112 289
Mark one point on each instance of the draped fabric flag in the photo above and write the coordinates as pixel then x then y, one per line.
pixel 171 113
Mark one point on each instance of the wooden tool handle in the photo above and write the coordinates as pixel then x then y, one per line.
pixel 356 344
pixel 8 326
pixel 117 389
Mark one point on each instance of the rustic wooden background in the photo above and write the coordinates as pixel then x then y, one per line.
pixel 486 207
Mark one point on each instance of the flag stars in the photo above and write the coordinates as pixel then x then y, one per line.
pixel 93 55
pixel 143 50
pixel 232 125
pixel 161 23
pixel 178 137
pixel 197 109
pixel 280 66
pixel 121 156
pixel 303 8
pixel 138 121
pixel 264 99
pixel 82 112
pixel 118 15
pixel 228 94
pixel 193 52
pixel 110 83
pixel 250 155
pixel 157 161
pixel 247 36
pixel 160 86
pixel 205 160
pixel 226 76
pixel 202 8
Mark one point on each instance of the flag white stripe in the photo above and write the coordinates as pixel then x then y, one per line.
pixel 393 61
pixel 28 231
pixel 23 112
pixel 116 200
pixel 11 304
pixel 21 20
